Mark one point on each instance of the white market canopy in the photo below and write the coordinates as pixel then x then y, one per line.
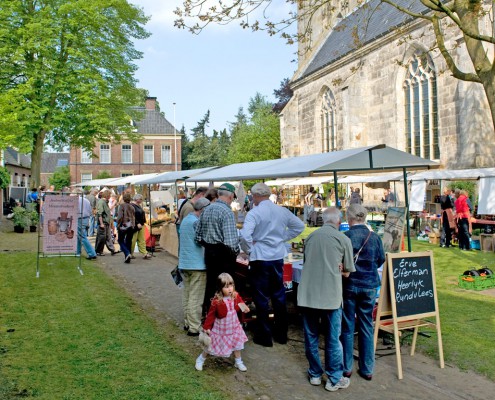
pixel 446 174
pixel 131 179
pixel 378 157
pixel 392 176
pixel 173 176
pixel 97 182
pixel 311 180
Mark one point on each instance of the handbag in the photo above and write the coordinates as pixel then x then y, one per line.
pixel 125 226
pixel 177 277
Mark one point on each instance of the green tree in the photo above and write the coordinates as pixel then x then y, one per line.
pixel 66 73
pixel 60 178
pixel 4 178
pixel 470 20
pixel 257 138
pixel 198 149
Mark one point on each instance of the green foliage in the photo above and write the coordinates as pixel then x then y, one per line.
pixel 60 178
pixel 257 137
pixel 67 72
pixel 33 218
pixel 469 186
pixel 4 178
pixel 103 175
pixel 21 217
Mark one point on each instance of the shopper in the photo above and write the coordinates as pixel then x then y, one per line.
pixel 222 324
pixel 138 236
pixel 126 223
pixel 217 233
pixel 448 220
pixel 103 234
pixel 266 229
pixel 85 211
pixel 462 215
pixel 360 290
pixel 327 256
pixel 193 269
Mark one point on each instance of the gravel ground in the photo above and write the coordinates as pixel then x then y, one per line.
pixel 278 372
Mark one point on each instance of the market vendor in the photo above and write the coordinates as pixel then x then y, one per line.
pixel 266 229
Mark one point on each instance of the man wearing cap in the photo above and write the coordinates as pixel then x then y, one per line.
pixel 266 229
pixel 193 269
pixel 217 233
pixel 187 206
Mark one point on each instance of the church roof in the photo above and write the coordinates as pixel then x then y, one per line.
pixel 366 24
pixel 153 123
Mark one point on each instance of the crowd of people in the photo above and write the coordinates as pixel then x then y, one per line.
pixel 456 218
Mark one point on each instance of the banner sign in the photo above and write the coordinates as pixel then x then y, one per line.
pixel 60 217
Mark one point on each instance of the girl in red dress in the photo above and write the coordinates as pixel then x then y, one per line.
pixel 222 324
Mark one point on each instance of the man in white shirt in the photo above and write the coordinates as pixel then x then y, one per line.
pixel 266 229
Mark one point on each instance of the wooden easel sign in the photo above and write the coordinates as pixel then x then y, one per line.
pixel 408 294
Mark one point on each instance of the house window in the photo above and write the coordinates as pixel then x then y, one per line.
pixel 166 154
pixel 86 157
pixel 123 174
pixel 328 130
pixel 86 177
pixel 126 154
pixel 421 108
pixel 148 157
pixel 105 154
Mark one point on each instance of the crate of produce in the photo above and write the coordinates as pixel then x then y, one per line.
pixel 476 282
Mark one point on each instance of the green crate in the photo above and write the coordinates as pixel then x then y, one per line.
pixel 478 282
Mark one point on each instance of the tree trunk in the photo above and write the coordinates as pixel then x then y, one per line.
pixel 489 86
pixel 36 159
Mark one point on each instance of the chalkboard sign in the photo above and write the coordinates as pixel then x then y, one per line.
pixel 413 284
pixel 408 294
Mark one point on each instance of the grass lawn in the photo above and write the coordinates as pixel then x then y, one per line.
pixel 467 317
pixel 67 336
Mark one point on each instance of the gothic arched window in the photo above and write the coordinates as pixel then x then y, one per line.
pixel 328 129
pixel 421 109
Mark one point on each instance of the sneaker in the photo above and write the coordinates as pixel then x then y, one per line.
pixel 199 363
pixel 315 380
pixel 240 366
pixel 342 384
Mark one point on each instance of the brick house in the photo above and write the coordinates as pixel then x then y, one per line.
pixel 155 152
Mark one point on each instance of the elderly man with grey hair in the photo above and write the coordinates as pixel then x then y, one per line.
pixel 216 231
pixel 266 229
pixel 85 211
pixel 327 256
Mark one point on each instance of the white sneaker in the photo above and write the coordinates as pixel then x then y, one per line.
pixel 342 384
pixel 240 366
pixel 315 380
pixel 199 363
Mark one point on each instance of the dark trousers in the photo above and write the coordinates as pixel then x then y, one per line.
pixel 267 284
pixel 463 234
pixel 104 237
pixel 218 259
pixel 446 229
pixel 125 241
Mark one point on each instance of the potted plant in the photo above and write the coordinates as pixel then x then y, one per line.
pixel 34 219
pixel 20 219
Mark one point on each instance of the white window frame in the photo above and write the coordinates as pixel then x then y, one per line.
pixel 166 154
pixel 105 150
pixel 86 157
pixel 148 154
pixel 127 159
pixel 328 125
pixel 86 177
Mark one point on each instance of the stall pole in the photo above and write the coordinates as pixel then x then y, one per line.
pixel 406 199
pixel 336 187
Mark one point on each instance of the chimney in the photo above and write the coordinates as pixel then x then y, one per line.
pixel 150 103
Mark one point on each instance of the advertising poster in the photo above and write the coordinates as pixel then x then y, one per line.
pixel 394 229
pixel 60 224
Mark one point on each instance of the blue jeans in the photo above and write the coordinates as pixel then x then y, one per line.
pixel 267 281
pixel 82 229
pixel 358 305
pixel 92 225
pixel 331 321
pixel 125 241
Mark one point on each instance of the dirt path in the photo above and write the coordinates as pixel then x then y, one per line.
pixel 278 372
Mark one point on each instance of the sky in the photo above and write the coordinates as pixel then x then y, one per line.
pixel 218 70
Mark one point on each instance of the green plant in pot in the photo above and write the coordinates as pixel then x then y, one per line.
pixel 21 219
pixel 34 218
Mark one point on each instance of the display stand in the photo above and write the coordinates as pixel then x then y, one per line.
pixel 408 296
